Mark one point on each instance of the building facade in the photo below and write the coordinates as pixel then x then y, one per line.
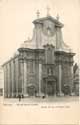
pixel 43 65
pixel 1 81
pixel 76 79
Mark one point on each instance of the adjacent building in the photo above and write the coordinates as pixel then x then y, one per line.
pixel 1 81
pixel 76 79
pixel 43 64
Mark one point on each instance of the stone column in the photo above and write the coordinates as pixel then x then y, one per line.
pixel 71 82
pixel 4 95
pixel 60 80
pixel 59 38
pixel 54 89
pixel 12 73
pixel 37 35
pixel 22 75
pixel 8 80
pixel 45 87
pixel 40 78
pixel 19 77
pixel 16 77
pixel 25 78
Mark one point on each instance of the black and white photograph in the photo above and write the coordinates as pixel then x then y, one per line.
pixel 43 67
pixel 39 61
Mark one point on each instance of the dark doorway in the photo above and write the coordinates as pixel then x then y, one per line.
pixel 51 90
pixel 66 90
pixel 31 90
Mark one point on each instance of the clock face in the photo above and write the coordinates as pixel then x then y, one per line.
pixel 48 28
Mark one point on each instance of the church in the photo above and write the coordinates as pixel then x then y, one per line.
pixel 43 65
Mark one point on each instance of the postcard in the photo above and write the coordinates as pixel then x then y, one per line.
pixel 39 62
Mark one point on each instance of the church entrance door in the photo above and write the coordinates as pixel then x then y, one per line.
pixel 31 90
pixel 51 88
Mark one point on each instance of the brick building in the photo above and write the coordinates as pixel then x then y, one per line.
pixel 43 65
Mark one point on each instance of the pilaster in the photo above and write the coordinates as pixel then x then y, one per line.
pixel 25 77
pixel 60 80
pixel 40 78
pixel 22 75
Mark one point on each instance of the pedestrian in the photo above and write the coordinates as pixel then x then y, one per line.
pixel 35 93
pixel 19 98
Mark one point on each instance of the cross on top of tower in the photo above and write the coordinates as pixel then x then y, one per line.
pixel 38 13
pixel 48 11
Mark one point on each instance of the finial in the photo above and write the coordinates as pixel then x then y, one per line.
pixel 48 11
pixel 57 17
pixel 38 13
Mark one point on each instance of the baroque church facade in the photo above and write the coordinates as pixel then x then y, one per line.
pixel 42 67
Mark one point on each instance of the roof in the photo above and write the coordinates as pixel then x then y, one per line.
pixel 12 58
pixel 40 20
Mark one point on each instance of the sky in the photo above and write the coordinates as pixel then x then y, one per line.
pixel 16 25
